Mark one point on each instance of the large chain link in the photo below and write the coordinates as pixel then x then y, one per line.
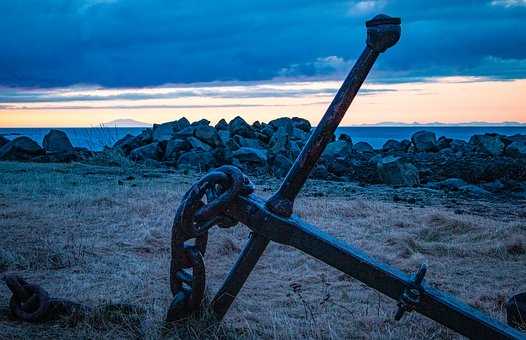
pixel 192 220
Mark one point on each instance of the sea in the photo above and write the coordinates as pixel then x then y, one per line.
pixel 97 137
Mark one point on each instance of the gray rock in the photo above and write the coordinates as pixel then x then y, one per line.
pixel 208 135
pixel 166 131
pixel 129 142
pixel 489 143
pixel 184 133
pixel 279 142
pixel 320 172
pixel 405 144
pixel 394 171
pixel 3 141
pixel 247 142
pixel 281 166
pixel 283 122
pixel 238 126
pixel 516 149
pixel 301 124
pixel 198 145
pixel 251 155
pixel 345 137
pixel 202 160
pixel 123 142
pixel 517 138
pixel 202 122
pixel 20 148
pixel 298 134
pixel 268 131
pixel 340 148
pixel 56 141
pixel 424 141
pixel 362 147
pixel 458 145
pixel 392 145
pixel 339 166
pixel 174 148
pixel 444 143
pixel 224 135
pixel 221 125
pixel 149 151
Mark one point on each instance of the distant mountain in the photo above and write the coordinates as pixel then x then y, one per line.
pixel 126 123
pixel 444 124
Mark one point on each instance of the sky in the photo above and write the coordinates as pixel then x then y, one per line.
pixel 85 62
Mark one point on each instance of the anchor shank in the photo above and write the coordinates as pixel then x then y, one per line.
pixel 382 32
pixel 282 202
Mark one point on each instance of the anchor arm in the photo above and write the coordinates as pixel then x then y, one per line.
pixel 390 281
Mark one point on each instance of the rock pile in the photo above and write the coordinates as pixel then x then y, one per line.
pixel 495 161
pixel 56 147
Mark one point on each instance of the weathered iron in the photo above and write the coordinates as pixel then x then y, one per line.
pixel 229 199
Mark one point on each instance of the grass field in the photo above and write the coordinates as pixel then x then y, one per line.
pixel 98 235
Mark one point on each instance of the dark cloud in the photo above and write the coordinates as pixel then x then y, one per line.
pixel 133 43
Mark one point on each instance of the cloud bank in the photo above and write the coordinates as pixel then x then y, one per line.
pixel 132 43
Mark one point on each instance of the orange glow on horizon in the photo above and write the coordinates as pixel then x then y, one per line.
pixel 448 100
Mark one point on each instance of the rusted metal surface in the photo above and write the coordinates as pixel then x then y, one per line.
pixel 272 220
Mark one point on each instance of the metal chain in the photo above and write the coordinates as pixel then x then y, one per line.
pixel 192 220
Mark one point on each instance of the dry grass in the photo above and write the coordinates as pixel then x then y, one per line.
pixel 100 235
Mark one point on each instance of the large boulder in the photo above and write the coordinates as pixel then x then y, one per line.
pixel 150 151
pixel 516 149
pixel 174 148
pixel 340 148
pixel 253 156
pixel 283 122
pixel 208 135
pixel 20 148
pixel 396 172
pixel 301 124
pixel 3 141
pixel 202 160
pixel 238 126
pixel 362 147
pixel 489 143
pixel 424 141
pixel 165 131
pixel 57 141
pixel 221 125
pixel 345 137
pixel 392 146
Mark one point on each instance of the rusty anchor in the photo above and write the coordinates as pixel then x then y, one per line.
pixel 229 199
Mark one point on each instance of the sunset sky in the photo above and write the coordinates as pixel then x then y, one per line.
pixel 84 62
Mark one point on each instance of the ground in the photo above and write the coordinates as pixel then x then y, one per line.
pixel 100 234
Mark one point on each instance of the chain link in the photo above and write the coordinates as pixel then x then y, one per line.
pixel 192 220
